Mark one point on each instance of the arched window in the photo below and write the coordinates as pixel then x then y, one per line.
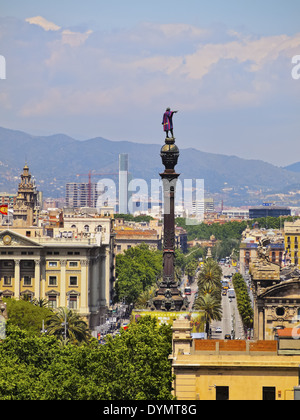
pixel 99 228
pixel 86 228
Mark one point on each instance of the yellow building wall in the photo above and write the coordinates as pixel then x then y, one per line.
pixel 243 384
pixel 294 246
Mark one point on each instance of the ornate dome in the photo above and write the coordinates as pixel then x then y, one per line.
pixel 169 154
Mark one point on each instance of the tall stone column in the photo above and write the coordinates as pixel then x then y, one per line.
pixel 168 297
pixel 63 264
pixel 84 286
pixel 37 279
pixel 17 279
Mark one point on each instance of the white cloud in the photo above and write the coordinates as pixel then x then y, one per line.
pixel 258 52
pixel 75 39
pixel 44 23
pixel 62 74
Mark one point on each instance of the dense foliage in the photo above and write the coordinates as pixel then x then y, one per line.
pixel 137 269
pixel 231 230
pixel 133 366
pixel 26 315
pixel 209 292
pixel 243 300
pixel 131 218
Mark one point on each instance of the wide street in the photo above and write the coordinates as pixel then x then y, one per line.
pixel 231 322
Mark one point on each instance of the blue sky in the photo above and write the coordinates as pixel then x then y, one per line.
pixel 110 68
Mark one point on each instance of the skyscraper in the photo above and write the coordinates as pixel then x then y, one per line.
pixel 123 183
pixel 77 194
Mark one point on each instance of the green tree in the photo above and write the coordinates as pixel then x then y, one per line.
pixel 76 329
pixel 133 366
pixel 190 269
pixel 212 309
pixel 144 297
pixel 211 274
pixel 243 300
pixel 26 315
pixel 136 270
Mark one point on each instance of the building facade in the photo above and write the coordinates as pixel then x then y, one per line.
pixel 80 194
pixel 268 211
pixel 232 369
pixel 292 241
pixel 276 294
pixel 72 273
pixel 250 243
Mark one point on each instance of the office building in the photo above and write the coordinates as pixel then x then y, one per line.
pixel 123 183
pixel 81 194
pixel 268 211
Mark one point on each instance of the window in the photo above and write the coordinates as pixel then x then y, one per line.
pixel 86 228
pixel 7 281
pixel 52 263
pixel 269 393
pixel 52 281
pixel 52 302
pixel 99 228
pixel 27 281
pixel 280 311
pixel 7 263
pixel 27 264
pixel 73 302
pixel 73 280
pixel 73 264
pixel 222 393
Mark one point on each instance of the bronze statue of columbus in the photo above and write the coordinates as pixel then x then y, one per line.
pixel 167 122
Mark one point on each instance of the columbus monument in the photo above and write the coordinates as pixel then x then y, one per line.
pixel 168 297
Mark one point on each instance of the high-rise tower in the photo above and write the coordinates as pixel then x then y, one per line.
pixel 123 183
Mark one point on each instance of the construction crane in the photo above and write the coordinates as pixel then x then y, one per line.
pixel 90 174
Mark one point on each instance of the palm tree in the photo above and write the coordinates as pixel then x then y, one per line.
pixel 42 303
pixel 209 289
pixel 210 273
pixel 67 325
pixel 212 309
pixel 145 297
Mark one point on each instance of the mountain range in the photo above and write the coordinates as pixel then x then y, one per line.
pixel 57 159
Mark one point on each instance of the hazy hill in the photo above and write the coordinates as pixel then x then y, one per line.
pixel 57 159
pixel 294 167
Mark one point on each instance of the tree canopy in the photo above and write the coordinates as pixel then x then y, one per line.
pixel 137 269
pixel 132 366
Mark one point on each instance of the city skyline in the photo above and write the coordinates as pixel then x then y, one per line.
pixel 95 69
